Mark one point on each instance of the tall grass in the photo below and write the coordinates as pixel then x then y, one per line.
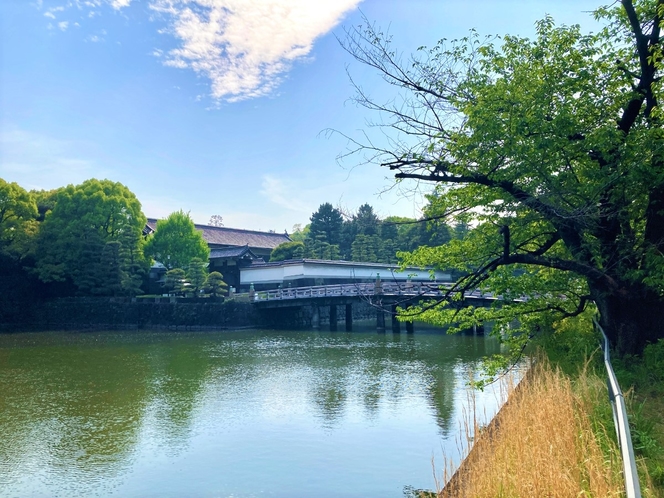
pixel 543 443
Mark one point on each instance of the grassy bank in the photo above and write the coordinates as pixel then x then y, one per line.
pixel 555 437
pixel 544 442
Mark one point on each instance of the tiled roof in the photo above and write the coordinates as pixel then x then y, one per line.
pixel 231 252
pixel 223 236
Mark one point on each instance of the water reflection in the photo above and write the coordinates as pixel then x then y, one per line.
pixel 74 410
pixel 178 376
pixel 116 411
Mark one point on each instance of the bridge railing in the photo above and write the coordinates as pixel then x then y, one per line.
pixel 423 289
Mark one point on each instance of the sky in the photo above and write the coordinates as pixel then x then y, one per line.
pixel 238 108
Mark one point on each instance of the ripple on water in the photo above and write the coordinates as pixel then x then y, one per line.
pixel 228 414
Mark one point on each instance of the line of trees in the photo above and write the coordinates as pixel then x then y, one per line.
pixel 89 240
pixel 363 236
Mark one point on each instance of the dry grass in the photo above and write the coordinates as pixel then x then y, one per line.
pixel 543 444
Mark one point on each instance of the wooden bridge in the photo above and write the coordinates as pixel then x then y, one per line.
pixel 385 296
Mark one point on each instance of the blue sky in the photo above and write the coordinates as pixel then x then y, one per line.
pixel 215 106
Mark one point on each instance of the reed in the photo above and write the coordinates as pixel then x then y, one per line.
pixel 542 443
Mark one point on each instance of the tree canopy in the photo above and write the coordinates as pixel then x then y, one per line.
pixel 18 212
pixel 287 250
pixel 326 222
pixel 551 149
pixel 176 242
pixel 197 275
pixel 73 236
pixel 216 285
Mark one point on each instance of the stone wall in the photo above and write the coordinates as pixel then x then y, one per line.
pixel 170 313
pixel 105 313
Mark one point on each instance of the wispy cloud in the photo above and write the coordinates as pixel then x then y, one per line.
pixel 52 11
pixel 63 25
pixel 280 194
pixel 38 161
pixel 244 47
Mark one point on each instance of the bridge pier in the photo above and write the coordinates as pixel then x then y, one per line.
pixel 349 317
pixel 315 318
pixel 380 320
pixel 409 327
pixel 396 325
pixel 333 318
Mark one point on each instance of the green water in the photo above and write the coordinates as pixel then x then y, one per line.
pixel 221 414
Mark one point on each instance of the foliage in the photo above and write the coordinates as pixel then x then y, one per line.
pixel 571 342
pixel 319 248
pixel 197 275
pixel 363 236
pixel 134 265
pixel 326 222
pixel 175 281
pixel 176 242
pixel 366 220
pixel 18 212
pixel 551 149
pixel 365 248
pixel 216 285
pixel 45 200
pixel 287 250
pixel 111 271
pixel 216 221
pixel 299 233
pixel 73 237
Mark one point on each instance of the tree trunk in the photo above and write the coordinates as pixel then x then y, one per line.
pixel 631 318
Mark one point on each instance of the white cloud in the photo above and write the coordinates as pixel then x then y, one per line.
pixel 245 46
pixel 51 12
pixel 119 4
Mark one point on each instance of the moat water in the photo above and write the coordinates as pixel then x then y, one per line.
pixel 232 414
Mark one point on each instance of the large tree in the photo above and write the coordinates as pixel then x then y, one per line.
pixel 552 150
pixel 176 242
pixel 73 236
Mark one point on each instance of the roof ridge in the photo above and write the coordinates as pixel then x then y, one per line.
pixel 202 225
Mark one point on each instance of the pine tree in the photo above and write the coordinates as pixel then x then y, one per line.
pixel 197 275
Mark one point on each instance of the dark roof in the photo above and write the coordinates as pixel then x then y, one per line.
pixel 223 236
pixel 231 252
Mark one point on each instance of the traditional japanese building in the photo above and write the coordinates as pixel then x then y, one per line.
pixel 234 248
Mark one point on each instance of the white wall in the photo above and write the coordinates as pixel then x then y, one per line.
pixel 330 270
